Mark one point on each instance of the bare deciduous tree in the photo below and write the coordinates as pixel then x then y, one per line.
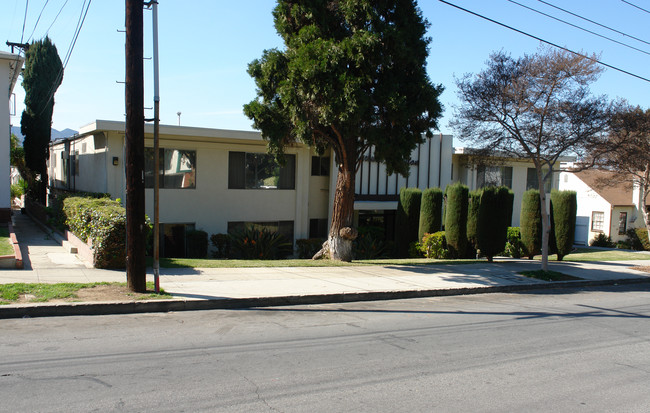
pixel 536 107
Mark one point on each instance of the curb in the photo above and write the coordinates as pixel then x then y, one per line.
pixel 161 306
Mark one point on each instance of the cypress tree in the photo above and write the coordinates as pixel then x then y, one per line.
pixel 456 219
pixel 564 206
pixel 531 223
pixel 473 206
pixel 430 212
pixel 494 216
pixel 408 218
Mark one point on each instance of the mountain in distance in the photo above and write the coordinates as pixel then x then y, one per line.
pixel 56 134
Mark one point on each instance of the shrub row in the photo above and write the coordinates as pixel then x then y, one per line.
pixel 101 221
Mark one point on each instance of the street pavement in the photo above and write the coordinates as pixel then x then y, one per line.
pixel 46 261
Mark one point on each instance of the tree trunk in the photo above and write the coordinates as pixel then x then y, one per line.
pixel 341 233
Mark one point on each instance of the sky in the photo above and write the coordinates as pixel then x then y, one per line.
pixel 205 47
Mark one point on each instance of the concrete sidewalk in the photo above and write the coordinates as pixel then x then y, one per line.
pixel 46 261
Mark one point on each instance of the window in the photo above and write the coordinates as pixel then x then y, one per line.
pixel 177 168
pixel 494 176
pixel 622 223
pixel 260 171
pixel 320 166
pixel 284 228
pixel 173 240
pixel 531 179
pixel 597 221
pixel 318 228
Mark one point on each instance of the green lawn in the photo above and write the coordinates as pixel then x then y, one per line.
pixel 44 292
pixel 6 248
pixel 587 254
pixel 221 263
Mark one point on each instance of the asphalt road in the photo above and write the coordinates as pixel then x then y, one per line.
pixel 562 351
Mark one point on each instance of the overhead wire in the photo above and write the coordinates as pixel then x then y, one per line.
pixel 634 5
pixel 578 27
pixel 594 22
pixel 546 41
pixel 56 17
pixel 38 20
pixel 66 59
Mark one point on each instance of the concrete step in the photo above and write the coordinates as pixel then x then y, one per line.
pixel 69 247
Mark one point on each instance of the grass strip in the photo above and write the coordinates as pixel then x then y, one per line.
pixel 549 275
pixel 228 263
pixel 45 292
pixel 6 248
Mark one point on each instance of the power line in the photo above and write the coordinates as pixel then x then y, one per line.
pixel 634 5
pixel 593 22
pixel 545 41
pixel 56 17
pixel 38 20
pixel 22 35
pixel 66 59
pixel 578 27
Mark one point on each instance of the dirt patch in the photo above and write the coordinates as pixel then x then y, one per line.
pixel 94 294
pixel 641 268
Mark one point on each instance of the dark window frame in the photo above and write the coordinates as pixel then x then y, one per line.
pixel 241 176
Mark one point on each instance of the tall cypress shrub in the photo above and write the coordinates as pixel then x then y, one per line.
pixel 564 206
pixel 473 206
pixel 408 219
pixel 494 216
pixel 456 219
pixel 430 212
pixel 531 223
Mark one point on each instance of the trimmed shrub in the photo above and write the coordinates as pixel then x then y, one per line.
pixel 602 240
pixel 514 248
pixel 531 223
pixel 57 216
pixel 368 246
pixel 456 219
pixel 408 219
pixel 196 244
pixel 564 206
pixel 473 206
pixel 103 223
pixel 434 245
pixel 307 247
pixel 642 234
pixel 260 244
pixel 430 212
pixel 494 218
pixel 221 244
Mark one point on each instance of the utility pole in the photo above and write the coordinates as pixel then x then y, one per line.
pixel 136 275
pixel 156 151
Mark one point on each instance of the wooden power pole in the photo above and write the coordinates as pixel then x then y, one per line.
pixel 136 275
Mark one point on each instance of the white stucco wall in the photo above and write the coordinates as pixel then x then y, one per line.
pixel 588 202
pixel 9 64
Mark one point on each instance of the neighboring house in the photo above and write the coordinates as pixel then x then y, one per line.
pixel 219 180
pixel 610 210
pixel 10 67
pixel 519 175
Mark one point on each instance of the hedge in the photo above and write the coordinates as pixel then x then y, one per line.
pixel 456 219
pixel 564 206
pixel 430 212
pixel 531 223
pixel 408 219
pixel 101 221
